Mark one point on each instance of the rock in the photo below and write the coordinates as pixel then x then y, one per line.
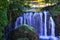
pixel 23 32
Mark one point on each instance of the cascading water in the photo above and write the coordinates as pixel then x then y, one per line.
pixel 52 27
pixel 19 21
pixel 45 23
pixel 40 22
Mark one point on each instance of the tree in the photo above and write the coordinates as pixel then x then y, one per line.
pixel 46 1
pixel 14 10
pixel 4 7
pixel 3 16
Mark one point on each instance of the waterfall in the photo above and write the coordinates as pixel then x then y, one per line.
pixel 39 21
pixel 19 22
pixel 53 26
pixel 45 23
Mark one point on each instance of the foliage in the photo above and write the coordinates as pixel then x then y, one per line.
pixel 16 9
pixel 4 6
pixel 57 8
pixel 7 6
pixel 3 15
pixel 46 1
pixel 51 1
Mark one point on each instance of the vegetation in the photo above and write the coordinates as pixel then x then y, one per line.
pixel 3 15
pixel 9 9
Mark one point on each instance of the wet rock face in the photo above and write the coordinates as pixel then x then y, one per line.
pixel 21 33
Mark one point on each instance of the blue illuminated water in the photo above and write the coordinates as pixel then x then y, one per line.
pixel 41 22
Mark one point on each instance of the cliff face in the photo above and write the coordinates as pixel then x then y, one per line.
pixel 23 32
pixel 57 24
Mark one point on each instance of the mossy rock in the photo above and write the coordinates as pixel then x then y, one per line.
pixel 24 31
pixel 22 39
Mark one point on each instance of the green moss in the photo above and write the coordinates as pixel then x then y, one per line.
pixel 22 39
pixel 57 8
pixel 1 35
pixel 26 27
